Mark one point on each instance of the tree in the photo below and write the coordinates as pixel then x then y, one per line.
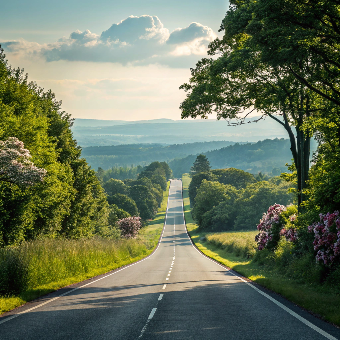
pixel 235 177
pixel 196 181
pixel 303 37
pixel 239 81
pixel 115 186
pixel 222 216
pixel 209 194
pixel 16 165
pixel 145 201
pixel 124 202
pixel 201 164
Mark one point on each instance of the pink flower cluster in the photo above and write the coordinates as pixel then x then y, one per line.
pixel 15 164
pixel 129 226
pixel 290 234
pixel 327 237
pixel 270 219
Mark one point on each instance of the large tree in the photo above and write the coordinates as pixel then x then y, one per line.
pixel 237 81
pixel 201 164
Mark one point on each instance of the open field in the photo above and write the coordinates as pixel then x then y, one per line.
pixel 56 263
pixel 236 250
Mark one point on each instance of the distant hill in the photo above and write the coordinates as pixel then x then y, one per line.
pixel 268 156
pixel 142 154
pixel 92 132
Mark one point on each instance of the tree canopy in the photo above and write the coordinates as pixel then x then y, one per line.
pixel 279 58
pixel 37 143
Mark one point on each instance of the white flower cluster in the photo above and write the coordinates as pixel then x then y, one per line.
pixel 15 164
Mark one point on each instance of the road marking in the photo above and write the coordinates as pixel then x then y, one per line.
pixel 164 287
pixel 152 313
pixel 160 297
pixel 167 278
pixel 147 322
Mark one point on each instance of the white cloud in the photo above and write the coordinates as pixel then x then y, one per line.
pixel 193 32
pixel 135 41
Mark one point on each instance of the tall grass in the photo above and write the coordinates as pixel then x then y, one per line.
pixel 240 243
pixel 41 266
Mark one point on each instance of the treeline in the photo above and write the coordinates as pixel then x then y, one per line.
pixel 69 202
pixel 46 189
pixel 268 156
pixel 122 173
pixel 232 199
pixel 106 157
pixel 137 197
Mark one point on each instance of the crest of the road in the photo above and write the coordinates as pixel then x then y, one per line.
pixel 175 293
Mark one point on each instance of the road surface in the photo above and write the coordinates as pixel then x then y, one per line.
pixel 176 293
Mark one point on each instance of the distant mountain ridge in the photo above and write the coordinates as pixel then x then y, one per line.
pixel 142 154
pixel 166 131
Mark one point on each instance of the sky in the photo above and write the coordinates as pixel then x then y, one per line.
pixel 121 60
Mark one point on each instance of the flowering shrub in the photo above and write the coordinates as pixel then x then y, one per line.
pixel 327 238
pixel 270 227
pixel 15 164
pixel 290 234
pixel 129 226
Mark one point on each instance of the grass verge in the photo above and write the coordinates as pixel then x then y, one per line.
pixel 236 250
pixel 55 263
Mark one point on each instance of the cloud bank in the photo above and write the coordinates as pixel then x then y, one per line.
pixel 134 41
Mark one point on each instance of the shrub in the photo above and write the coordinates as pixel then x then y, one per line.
pixel 129 226
pixel 327 238
pixel 270 228
pixel 276 222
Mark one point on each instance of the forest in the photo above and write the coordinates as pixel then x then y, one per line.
pixel 106 157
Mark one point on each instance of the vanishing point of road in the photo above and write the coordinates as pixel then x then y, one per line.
pixel 176 293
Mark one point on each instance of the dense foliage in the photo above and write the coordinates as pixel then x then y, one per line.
pixel 121 173
pixel 232 199
pixel 36 139
pixel 141 196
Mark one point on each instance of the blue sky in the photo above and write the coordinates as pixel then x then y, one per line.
pixel 111 59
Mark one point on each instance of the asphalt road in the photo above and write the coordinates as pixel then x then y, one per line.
pixel 176 293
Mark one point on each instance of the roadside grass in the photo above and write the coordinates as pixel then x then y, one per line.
pixel 297 280
pixel 54 263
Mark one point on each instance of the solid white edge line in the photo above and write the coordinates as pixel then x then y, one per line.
pixel 279 304
pixel 89 283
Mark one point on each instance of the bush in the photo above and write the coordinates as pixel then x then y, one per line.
pixel 327 238
pixel 129 226
pixel 270 227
